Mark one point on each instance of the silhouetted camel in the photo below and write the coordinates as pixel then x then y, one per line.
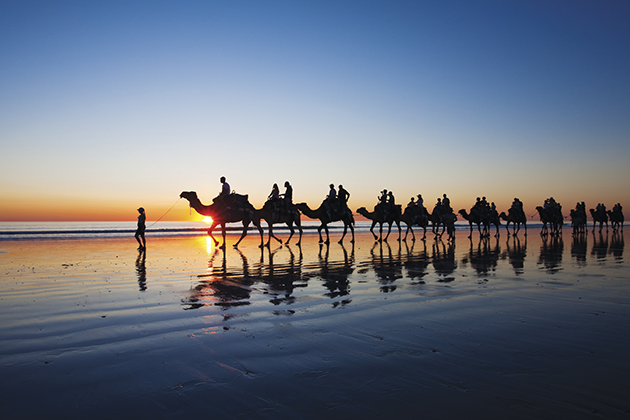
pixel 478 219
pixel 552 218
pixel 516 221
pixel 599 217
pixel 616 218
pixel 320 213
pixel 378 217
pixel 410 218
pixel 578 221
pixel 277 216
pixel 242 211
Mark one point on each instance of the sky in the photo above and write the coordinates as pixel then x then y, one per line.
pixel 106 106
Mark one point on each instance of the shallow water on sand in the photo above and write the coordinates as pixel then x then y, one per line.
pixel 518 327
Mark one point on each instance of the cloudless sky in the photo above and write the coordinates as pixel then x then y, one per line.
pixel 110 105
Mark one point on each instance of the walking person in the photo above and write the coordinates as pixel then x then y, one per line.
pixel 142 218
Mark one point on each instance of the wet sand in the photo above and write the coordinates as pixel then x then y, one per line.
pixel 503 328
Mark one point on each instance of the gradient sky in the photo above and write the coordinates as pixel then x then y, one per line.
pixel 110 105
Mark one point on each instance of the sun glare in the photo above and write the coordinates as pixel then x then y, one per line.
pixel 207 220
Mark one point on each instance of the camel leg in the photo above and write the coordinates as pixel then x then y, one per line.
pixel 345 230
pixel 243 234
pixel 271 235
pixel 214 225
pixel 327 234
pixel 372 230
pixel 398 224
pixel 319 230
pixel 223 235
pixel 299 242
pixel 290 225
pixel 389 230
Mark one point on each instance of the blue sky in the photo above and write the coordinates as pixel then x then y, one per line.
pixel 105 106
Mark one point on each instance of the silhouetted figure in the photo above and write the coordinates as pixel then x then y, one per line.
pixel 287 196
pixel 343 198
pixel 446 202
pixel 220 200
pixel 140 230
pixel 331 201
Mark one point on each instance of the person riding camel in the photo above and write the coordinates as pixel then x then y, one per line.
pixel 343 198
pixel 381 206
pixel 273 200
pixel 446 203
pixel 391 203
pixel 420 205
pixel 221 199
pixel 287 196
pixel 331 202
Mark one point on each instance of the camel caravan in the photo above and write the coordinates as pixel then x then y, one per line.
pixel 230 207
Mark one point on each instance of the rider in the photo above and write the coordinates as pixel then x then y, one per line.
pixel 446 203
pixel 288 195
pixel 220 200
pixel 343 198
pixel 330 203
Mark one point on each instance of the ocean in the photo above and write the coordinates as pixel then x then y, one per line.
pixel 68 230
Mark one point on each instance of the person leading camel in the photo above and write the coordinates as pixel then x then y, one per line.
pixel 142 217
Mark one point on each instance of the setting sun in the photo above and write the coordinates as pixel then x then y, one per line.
pixel 207 220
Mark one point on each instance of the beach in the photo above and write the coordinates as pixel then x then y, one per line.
pixel 524 327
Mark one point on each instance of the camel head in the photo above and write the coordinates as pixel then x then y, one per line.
pixel 189 195
pixel 362 210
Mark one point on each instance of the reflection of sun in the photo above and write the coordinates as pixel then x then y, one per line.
pixel 207 220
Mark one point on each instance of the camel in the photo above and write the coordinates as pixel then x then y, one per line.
pixel 242 211
pixel 599 216
pixel 377 217
pixel 616 218
pixel 280 216
pixel 551 217
pixel 321 214
pixel 516 221
pixel 410 218
pixel 476 218
pixel 578 221
pixel 438 219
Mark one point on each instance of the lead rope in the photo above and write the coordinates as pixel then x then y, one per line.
pixel 165 213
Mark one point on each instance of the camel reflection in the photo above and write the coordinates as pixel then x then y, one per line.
pixel 578 248
pixel 280 279
pixel 485 257
pixel 516 252
pixel 444 263
pixel 221 287
pixel 600 245
pixel 416 264
pixel 335 274
pixel 616 245
pixel 386 265
pixel 551 253
pixel 141 269
pixel 227 287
